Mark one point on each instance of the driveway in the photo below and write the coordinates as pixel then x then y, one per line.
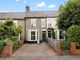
pixel 41 49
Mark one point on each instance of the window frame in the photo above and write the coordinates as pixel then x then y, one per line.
pixel 49 31
pixel 33 35
pixel 43 23
pixel 33 22
pixel 61 35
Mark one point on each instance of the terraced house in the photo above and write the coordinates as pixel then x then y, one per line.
pixel 34 23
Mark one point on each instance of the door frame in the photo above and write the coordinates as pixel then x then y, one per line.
pixel 41 33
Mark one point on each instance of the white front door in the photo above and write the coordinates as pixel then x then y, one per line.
pixel 33 35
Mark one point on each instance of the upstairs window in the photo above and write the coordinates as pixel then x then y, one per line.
pixel 43 23
pixel 49 25
pixel 33 22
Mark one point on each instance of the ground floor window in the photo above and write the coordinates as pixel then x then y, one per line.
pixel 61 34
pixel 49 34
pixel 33 35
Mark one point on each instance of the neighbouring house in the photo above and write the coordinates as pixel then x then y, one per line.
pixel 34 23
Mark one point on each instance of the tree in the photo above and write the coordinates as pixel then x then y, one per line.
pixel 8 29
pixel 69 14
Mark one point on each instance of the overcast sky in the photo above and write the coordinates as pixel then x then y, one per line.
pixel 35 5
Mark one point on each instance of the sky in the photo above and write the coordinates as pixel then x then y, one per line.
pixel 35 5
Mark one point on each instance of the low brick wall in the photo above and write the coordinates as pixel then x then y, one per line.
pixel 55 44
pixel 7 51
pixel 73 48
pixel 58 48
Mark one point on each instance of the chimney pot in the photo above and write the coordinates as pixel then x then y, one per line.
pixel 27 8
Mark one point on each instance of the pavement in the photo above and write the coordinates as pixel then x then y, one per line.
pixel 43 58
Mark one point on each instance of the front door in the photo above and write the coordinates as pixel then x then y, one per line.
pixel 43 35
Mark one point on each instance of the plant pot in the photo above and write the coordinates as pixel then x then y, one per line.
pixel 66 52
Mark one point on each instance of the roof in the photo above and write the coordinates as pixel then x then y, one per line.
pixel 42 14
pixel 12 15
pixel 22 15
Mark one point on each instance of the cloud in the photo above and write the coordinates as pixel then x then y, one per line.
pixel 24 2
pixel 41 4
pixel 51 6
pixel 44 4
pixel 5 11
pixel 8 11
pixel 17 0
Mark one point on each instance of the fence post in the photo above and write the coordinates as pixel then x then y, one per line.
pixel 73 48
pixel 58 48
pixel 7 51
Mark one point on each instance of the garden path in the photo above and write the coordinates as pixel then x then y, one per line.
pixel 42 49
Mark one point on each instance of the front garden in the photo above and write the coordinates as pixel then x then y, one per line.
pixel 9 37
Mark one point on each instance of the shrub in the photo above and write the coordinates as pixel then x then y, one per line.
pixel 14 38
pixel 1 45
pixel 78 51
pixel 15 45
pixel 65 45
pixel 8 29
pixel 78 45
pixel 73 34
pixel 9 32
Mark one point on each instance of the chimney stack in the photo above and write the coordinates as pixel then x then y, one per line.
pixel 27 8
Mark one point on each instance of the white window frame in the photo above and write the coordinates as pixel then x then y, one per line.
pixel 43 23
pixel 58 35
pixel 49 25
pixel 42 31
pixel 33 22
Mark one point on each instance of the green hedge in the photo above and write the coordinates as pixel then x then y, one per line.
pixel 15 45
pixel 65 45
pixel 73 33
